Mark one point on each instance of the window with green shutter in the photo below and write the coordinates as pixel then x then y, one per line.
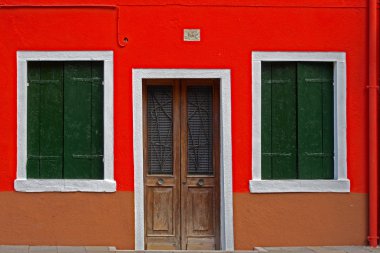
pixel 297 120
pixel 65 120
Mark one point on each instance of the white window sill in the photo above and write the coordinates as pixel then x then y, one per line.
pixel 278 186
pixel 64 185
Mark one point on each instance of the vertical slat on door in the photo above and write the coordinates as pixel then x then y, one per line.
pixel 284 121
pixel 97 120
pixel 33 124
pixel 266 121
pixel 315 120
pixel 79 90
pixel 328 121
pixel 51 120
pixel 45 114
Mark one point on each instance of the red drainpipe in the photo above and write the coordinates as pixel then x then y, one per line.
pixel 373 126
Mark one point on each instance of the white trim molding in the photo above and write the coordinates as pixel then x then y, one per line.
pixel 64 185
pixel 226 206
pixel 340 183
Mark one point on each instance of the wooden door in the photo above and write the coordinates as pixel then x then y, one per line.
pixel 161 114
pixel 181 164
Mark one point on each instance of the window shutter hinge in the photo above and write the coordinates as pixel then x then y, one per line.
pixel 102 82
pixel 27 84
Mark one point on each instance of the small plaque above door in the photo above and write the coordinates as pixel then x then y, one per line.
pixel 192 35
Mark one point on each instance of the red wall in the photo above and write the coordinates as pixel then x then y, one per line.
pixel 230 31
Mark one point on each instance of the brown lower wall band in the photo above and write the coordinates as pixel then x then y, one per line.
pixel 78 219
pixel 108 219
pixel 299 219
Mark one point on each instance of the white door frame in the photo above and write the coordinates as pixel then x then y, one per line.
pixel 226 204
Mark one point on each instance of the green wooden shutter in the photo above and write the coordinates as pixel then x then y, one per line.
pixel 315 120
pixel 83 121
pixel 279 123
pixel 45 120
pixel 284 123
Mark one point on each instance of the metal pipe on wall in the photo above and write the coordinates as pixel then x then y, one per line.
pixel 373 125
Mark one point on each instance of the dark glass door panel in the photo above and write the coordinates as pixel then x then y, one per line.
pixel 160 130
pixel 200 136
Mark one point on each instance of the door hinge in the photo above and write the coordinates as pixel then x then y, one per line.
pixel 318 80
pixel 274 81
pixel 319 154
pixel 277 154
pixel 85 156
pixel 43 157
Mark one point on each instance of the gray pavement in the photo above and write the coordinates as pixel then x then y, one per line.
pixel 55 249
pixel 105 249
pixel 325 249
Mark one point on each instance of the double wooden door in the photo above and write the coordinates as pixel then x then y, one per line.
pixel 181 164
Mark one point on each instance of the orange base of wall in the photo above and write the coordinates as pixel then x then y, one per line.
pixel 108 219
pixel 300 219
pixel 77 219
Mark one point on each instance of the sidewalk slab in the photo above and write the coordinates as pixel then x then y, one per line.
pixel 322 249
pixel 71 249
pixel 14 249
pixel 43 249
pixel 288 249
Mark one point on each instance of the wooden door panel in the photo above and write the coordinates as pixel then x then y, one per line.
pixel 200 211
pixel 163 210
pixel 160 211
pixel 201 243
pixel 161 218
pixel 161 245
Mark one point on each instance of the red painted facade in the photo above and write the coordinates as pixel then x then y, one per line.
pixel 230 31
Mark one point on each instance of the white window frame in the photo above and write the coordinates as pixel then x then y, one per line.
pixel 340 183
pixel 23 184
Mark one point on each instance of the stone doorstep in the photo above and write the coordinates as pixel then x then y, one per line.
pixel 182 251
pixel 257 249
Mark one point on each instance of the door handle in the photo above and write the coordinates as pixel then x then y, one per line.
pixel 160 181
pixel 201 182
